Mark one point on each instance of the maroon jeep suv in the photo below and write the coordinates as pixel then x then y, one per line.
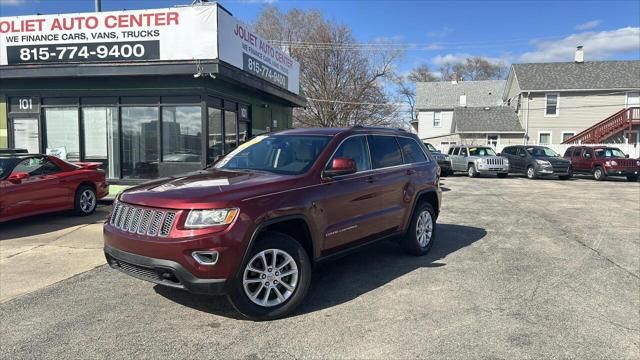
pixel 253 225
pixel 602 161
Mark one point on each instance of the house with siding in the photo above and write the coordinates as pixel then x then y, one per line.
pixel 465 112
pixel 580 101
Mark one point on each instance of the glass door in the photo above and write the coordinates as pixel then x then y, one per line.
pixel 100 134
pixel 26 134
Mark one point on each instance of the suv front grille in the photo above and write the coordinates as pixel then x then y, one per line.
pixel 142 221
pixel 494 161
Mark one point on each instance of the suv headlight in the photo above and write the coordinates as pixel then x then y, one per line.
pixel 205 218
pixel 543 162
pixel 611 163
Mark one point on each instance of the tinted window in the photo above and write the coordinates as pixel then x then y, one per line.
pixel 508 151
pixel 576 152
pixel 456 151
pixel 385 151
pixel 463 152
pixel 411 150
pixel 5 166
pixel 450 151
pixel 36 166
pixel 430 147
pixel 354 148
pixel 521 152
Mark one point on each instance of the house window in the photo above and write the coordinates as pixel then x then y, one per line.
pixel 544 138
pixel 566 135
pixel 493 140
pixel 436 118
pixel 635 137
pixel 632 99
pixel 551 104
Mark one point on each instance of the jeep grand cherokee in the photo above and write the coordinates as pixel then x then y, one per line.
pixel 253 225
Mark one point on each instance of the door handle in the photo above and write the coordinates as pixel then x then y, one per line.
pixel 411 172
pixel 369 179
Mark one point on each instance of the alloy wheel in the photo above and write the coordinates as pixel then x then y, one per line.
pixel 270 277
pixel 597 173
pixel 531 173
pixel 87 201
pixel 424 228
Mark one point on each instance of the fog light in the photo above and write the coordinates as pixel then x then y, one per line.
pixel 205 257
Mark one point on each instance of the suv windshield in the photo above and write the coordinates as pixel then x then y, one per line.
pixel 431 148
pixel 282 154
pixel 542 151
pixel 482 151
pixel 609 153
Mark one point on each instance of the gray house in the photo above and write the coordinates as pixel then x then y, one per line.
pixel 465 112
pixel 588 102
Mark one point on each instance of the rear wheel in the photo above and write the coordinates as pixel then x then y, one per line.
pixel 85 201
pixel 275 279
pixel 503 175
pixel 598 173
pixel 422 231
pixel 471 171
pixel 632 178
pixel 531 172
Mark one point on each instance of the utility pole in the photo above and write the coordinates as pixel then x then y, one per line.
pixel 98 5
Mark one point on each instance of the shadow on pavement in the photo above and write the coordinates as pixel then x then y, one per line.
pixel 46 223
pixel 346 278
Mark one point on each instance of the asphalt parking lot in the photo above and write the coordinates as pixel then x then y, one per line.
pixel 520 269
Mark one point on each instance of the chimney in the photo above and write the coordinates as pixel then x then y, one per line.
pixel 463 100
pixel 454 78
pixel 579 55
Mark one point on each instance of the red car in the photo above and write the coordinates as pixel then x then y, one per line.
pixel 253 225
pixel 36 184
pixel 602 162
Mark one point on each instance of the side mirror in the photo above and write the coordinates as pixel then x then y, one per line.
pixel 341 166
pixel 17 177
pixel 626 156
pixel 499 154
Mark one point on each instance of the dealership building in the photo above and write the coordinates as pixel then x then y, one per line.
pixel 149 93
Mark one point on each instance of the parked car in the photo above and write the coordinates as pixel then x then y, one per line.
pixel 536 161
pixel 253 225
pixel 35 184
pixel 442 160
pixel 602 162
pixel 476 160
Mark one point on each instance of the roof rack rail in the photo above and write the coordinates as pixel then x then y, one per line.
pixel 377 128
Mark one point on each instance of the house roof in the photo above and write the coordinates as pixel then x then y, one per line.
pixel 486 119
pixel 446 95
pixel 590 75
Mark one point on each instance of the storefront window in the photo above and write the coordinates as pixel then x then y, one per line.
pixel 243 132
pixel 215 145
pixel 181 133
pixel 139 142
pixel 230 130
pixel 63 133
pixel 100 125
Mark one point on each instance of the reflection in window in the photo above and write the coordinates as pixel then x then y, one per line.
pixel 231 133
pixel 181 133
pixel 215 146
pixel 243 132
pixel 63 132
pixel 101 137
pixel 139 142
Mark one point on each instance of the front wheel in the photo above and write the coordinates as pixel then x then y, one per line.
pixel 531 172
pixel 422 230
pixel 275 279
pixel 471 171
pixel 598 174
pixel 85 201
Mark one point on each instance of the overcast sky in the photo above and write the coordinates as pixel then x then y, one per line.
pixel 437 31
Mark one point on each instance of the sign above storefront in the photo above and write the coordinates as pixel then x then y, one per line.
pixel 204 32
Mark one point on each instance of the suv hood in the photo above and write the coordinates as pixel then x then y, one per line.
pixel 206 188
pixel 553 159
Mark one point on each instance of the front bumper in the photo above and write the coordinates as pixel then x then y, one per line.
pixel 162 272
pixel 492 169
pixel 622 172
pixel 444 165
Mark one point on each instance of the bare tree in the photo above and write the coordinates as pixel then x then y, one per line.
pixel 474 68
pixel 406 86
pixel 341 78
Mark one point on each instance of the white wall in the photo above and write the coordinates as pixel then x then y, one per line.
pixel 425 124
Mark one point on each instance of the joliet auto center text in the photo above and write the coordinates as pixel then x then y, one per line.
pixel 148 93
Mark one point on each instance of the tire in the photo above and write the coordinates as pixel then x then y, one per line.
pixel 85 201
pixel 503 175
pixel 598 174
pixel 531 172
pixel 471 171
pixel 286 249
pixel 412 243
pixel 632 178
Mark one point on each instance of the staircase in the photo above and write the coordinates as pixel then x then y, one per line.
pixel 622 120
